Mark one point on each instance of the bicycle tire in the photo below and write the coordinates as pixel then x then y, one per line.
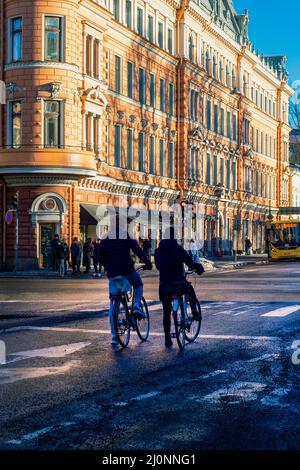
pixel 143 321
pixel 121 322
pixel 179 322
pixel 193 326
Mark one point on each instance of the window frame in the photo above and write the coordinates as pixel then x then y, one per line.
pixel 61 38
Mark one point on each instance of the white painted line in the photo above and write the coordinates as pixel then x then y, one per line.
pixel 265 357
pixel 152 333
pixel 9 376
pixel 235 393
pixel 212 374
pixel 144 396
pixel 40 432
pixel 55 351
pixel 282 312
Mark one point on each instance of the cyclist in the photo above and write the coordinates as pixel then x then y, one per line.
pixel 170 258
pixel 115 256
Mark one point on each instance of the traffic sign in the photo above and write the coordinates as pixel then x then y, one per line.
pixel 9 217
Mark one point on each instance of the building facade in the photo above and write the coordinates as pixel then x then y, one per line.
pixel 138 101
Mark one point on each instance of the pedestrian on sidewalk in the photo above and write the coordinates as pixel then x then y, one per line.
pixel 248 246
pixel 60 258
pixel 54 243
pixel 96 258
pixel 88 254
pixel 194 251
pixel 47 256
pixel 75 255
pixel 147 245
pixel 67 256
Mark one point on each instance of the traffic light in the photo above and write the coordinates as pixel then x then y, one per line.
pixel 15 201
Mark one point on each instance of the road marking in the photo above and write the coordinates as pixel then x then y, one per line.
pixel 144 396
pixel 274 398
pixel 40 432
pixel 212 374
pixel 282 312
pixel 9 376
pixel 152 333
pixel 234 394
pixel 265 357
pixel 55 351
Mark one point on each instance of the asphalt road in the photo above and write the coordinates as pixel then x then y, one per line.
pixel 65 387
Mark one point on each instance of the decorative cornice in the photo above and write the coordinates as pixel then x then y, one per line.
pixel 41 64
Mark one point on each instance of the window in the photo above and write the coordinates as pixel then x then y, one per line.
pixel 152 165
pixel 227 76
pixel 171 160
pixel 235 176
pixel 142 86
pixel 130 75
pixel 117 74
pixel 216 119
pixel 140 22
pixel 128 14
pixel 160 34
pixel 117 149
pixel 208 115
pixel 222 171
pixel 161 157
pixel 171 99
pixel 15 26
pixel 207 61
pixel 53 38
pixel 228 174
pixel 14 130
pixel 228 125
pixel 162 95
pixel 141 151
pixel 222 122
pixel 116 9
pixel 214 67
pixel 216 170
pixel 130 149
pixel 150 28
pixel 170 41
pixel 152 90
pixel 191 49
pixel 53 123
pixel 235 128
pixel 208 168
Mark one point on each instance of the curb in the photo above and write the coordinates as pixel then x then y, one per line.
pixel 51 275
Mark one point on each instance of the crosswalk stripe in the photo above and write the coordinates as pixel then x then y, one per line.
pixel 282 312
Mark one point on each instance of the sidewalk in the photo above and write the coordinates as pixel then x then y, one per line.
pixel 225 263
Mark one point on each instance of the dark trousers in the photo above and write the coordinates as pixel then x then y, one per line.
pixel 166 298
pixel 75 265
pixel 97 266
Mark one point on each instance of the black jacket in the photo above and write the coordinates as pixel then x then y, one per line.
pixel 116 258
pixel 170 258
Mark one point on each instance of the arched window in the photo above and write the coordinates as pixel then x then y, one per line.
pixel 207 61
pixel 214 67
pixel 191 48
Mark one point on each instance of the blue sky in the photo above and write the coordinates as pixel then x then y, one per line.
pixel 274 28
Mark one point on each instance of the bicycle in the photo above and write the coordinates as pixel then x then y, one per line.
pixel 123 319
pixel 187 327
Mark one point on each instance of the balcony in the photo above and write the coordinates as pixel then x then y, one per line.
pixel 36 160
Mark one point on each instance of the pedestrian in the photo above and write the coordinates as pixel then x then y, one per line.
pixel 147 245
pixel 54 243
pixel 194 252
pixel 96 258
pixel 60 258
pixel 75 255
pixel 47 255
pixel 248 245
pixel 67 255
pixel 88 254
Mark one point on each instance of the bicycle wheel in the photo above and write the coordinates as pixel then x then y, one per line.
pixel 143 324
pixel 121 321
pixel 193 325
pixel 179 322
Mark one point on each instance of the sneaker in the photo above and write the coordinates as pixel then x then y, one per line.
pixel 137 312
pixel 114 341
pixel 99 276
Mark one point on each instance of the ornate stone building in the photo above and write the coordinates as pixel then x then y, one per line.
pixel 148 100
